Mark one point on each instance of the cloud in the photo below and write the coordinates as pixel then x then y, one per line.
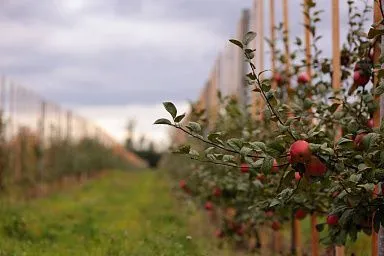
pixel 114 119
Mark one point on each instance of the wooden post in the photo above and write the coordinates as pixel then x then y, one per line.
pixel 376 118
pixel 273 39
pixel 286 44
pixel 336 75
pixel 260 50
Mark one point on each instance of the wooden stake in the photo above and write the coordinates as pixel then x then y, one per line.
pixel 376 116
pixel 286 44
pixel 260 66
pixel 273 39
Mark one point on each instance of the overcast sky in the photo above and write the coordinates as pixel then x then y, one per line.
pixel 112 60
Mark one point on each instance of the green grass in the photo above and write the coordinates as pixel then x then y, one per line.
pixel 124 213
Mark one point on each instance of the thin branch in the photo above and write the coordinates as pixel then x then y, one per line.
pixel 269 104
pixel 212 143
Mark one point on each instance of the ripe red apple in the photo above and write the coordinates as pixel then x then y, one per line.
pixel 300 214
pixel 299 152
pixel 303 78
pixel 278 78
pixel 315 167
pixel 358 141
pixel 275 167
pixel 219 233
pixel 244 168
pixel 208 206
pixel 276 225
pixel 360 78
pixel 370 123
pixel 269 214
pixel 217 192
pixel 332 220
pixel 297 176
pixel 182 184
pixel 240 230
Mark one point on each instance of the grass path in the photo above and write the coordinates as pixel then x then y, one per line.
pixel 124 213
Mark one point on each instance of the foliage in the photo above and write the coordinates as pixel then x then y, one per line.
pixel 261 173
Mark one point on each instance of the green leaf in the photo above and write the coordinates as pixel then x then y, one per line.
pixel 266 167
pixel 213 136
pixel 194 127
pixel 179 118
pixel 170 107
pixel 234 143
pixel 194 152
pixel 228 158
pixel 379 89
pixel 183 149
pixel 249 36
pixel 372 33
pixel 238 43
pixel 258 145
pixel 163 121
pixel 245 151
pixel 355 178
pixel 333 107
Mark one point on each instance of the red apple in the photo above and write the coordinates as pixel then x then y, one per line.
pixel 240 230
pixel 360 78
pixel 219 233
pixel 278 78
pixel 332 220
pixel 275 167
pixel 269 214
pixel 208 206
pixel 299 152
pixel 358 141
pixel 315 167
pixel 276 225
pixel 217 192
pixel 297 176
pixel 370 123
pixel 300 214
pixel 303 78
pixel 182 184
pixel 244 168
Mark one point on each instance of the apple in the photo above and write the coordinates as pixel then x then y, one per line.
pixel 182 184
pixel 360 78
pixel 300 214
pixel 217 192
pixel 269 213
pixel 315 167
pixel 370 123
pixel 278 78
pixel 219 233
pixel 297 176
pixel 208 206
pixel 358 140
pixel 275 167
pixel 276 225
pixel 244 168
pixel 240 230
pixel 299 152
pixel 303 78
pixel 332 220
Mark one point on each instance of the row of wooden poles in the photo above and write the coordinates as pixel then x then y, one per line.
pixel 216 82
pixel 21 108
pixel 336 83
